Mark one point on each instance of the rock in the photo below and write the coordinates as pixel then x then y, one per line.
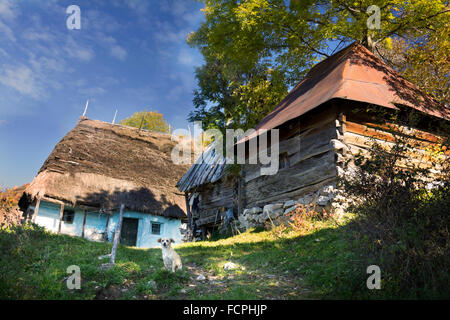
pixel 276 213
pixel 288 210
pixel 152 284
pixel 200 277
pixel 246 212
pixel 306 200
pixel 338 145
pixel 270 208
pixel 104 257
pixel 183 291
pixel 230 266
pixel 255 210
pixel 288 204
pixel 323 200
pixel 243 220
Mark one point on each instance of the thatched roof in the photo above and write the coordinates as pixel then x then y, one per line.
pixel 102 165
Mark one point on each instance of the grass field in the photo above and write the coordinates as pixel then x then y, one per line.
pixel 309 264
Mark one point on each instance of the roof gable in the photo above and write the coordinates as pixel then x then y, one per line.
pixel 354 73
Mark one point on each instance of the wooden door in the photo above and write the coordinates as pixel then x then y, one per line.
pixel 128 235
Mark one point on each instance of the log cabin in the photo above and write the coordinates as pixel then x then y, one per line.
pixel 326 119
pixel 95 169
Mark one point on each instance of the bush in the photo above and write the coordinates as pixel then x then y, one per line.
pixel 10 214
pixel 402 223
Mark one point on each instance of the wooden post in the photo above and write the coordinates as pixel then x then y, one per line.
pixel 142 121
pixel 84 223
pixel 117 236
pixel 85 108
pixel 240 194
pixel 189 216
pixel 106 227
pixel 114 119
pixel 61 213
pixel 343 121
pixel 36 209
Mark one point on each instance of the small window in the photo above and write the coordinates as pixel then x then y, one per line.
pixel 284 160
pixel 68 216
pixel 156 228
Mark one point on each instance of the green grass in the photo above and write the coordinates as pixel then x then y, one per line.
pixel 286 265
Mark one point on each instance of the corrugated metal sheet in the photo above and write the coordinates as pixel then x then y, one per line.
pixel 208 168
pixel 354 73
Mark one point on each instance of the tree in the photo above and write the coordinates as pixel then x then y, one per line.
pixel 423 60
pixel 149 120
pixel 228 98
pixel 242 41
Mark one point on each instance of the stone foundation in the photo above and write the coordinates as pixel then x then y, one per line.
pixel 329 198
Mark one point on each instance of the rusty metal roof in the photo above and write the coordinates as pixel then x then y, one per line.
pixel 354 73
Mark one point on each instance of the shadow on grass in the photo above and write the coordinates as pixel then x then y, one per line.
pixel 317 265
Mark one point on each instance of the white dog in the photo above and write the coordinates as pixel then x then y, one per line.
pixel 172 260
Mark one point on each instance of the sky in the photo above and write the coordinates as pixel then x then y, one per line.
pixel 129 55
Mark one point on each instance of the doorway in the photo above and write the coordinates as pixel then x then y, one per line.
pixel 128 235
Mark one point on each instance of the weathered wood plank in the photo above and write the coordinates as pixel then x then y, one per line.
pixel 304 173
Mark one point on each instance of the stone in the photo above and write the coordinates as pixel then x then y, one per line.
pixel 338 145
pixel 323 200
pixel 230 266
pixel 152 284
pixel 288 204
pixel 288 210
pixel 255 210
pixel 200 278
pixel 305 200
pixel 244 221
pixel 276 213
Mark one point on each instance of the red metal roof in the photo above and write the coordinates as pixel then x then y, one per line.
pixel 354 73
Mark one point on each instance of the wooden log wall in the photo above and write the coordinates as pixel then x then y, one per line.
pixel 311 162
pixel 214 198
pixel 362 132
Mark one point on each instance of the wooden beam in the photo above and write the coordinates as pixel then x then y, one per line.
pixel 189 216
pixel 84 223
pixel 36 209
pixel 61 213
pixel 117 235
pixel 240 194
pixel 106 227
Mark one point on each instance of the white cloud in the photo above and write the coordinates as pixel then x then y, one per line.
pixel 21 79
pixel 118 52
pixel 75 50
pixel 7 31
pixel 8 9
pixel 94 91
pixel 187 58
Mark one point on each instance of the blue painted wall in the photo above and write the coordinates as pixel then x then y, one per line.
pixel 48 217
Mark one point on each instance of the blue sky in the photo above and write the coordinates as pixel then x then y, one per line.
pixel 129 55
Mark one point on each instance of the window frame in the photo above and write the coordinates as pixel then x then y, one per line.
pixel 160 228
pixel 66 214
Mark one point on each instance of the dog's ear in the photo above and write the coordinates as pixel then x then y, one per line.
pixel 171 240
pixel 159 240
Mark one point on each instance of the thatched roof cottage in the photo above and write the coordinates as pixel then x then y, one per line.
pixel 97 167
pixel 322 123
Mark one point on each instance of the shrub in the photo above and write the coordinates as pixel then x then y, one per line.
pixel 10 214
pixel 402 223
